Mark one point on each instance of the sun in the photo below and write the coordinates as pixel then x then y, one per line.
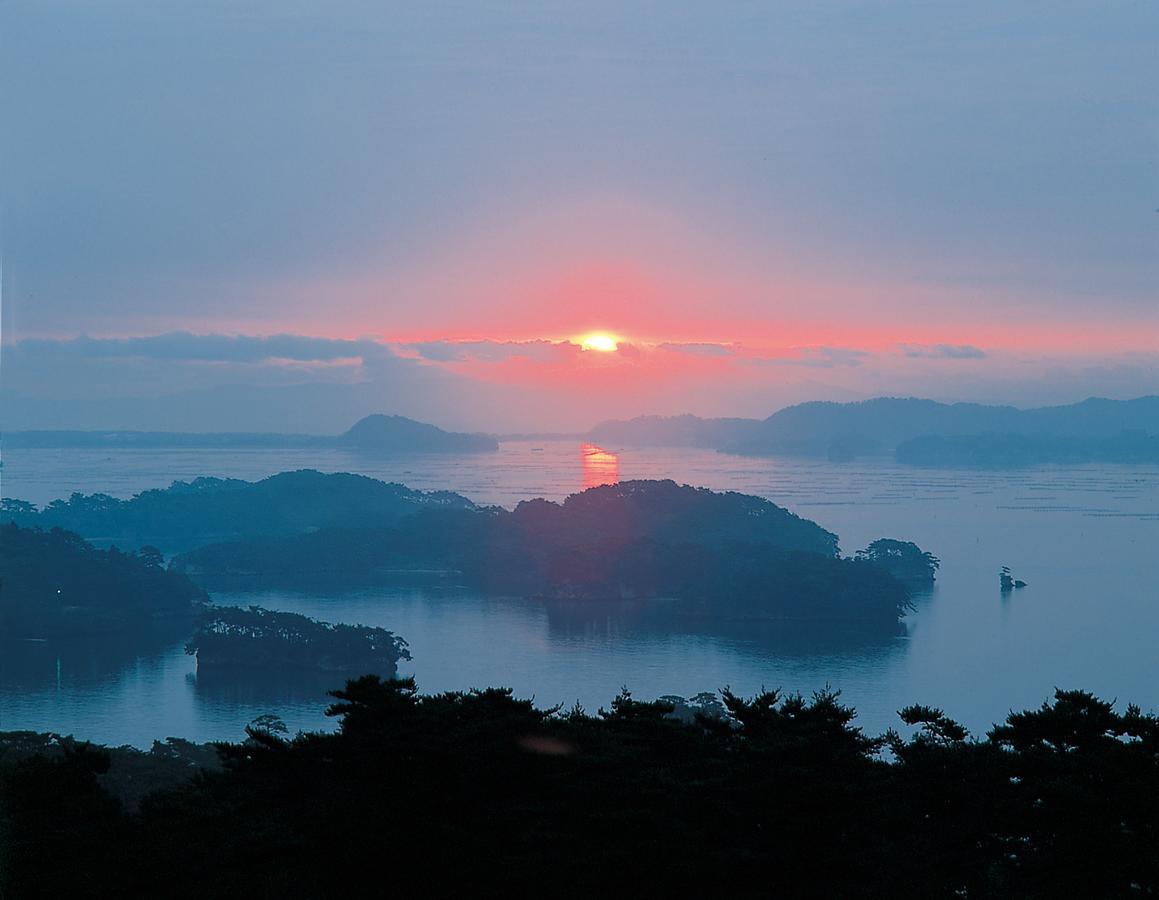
pixel 600 341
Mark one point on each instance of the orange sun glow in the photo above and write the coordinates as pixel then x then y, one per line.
pixel 598 340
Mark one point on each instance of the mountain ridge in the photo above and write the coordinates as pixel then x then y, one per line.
pixel 879 425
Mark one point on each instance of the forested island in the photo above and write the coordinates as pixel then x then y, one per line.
pixel 231 640
pixel 190 514
pixel 55 586
pixel 478 792
pixel 704 556
pixel 720 554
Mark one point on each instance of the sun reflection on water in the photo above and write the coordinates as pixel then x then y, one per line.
pixel 598 466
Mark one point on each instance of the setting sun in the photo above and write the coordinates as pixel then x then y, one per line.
pixel 604 343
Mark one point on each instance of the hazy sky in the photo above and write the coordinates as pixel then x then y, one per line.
pixel 422 208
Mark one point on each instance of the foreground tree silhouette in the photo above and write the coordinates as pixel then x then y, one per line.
pixel 480 792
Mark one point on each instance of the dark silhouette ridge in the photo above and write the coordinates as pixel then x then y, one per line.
pixel 189 514
pixel 844 431
pixel 478 792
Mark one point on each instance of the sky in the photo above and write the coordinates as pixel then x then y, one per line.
pixel 284 215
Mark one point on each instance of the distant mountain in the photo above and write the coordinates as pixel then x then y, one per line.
pixel 1005 451
pixel 847 430
pixel 882 424
pixel 397 434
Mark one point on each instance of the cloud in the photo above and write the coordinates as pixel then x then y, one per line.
pixel 183 346
pixel 294 382
pixel 698 348
pixel 86 367
pixel 942 351
pixel 449 351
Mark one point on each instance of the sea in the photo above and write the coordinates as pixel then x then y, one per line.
pixel 1084 538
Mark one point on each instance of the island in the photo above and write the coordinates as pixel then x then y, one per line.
pixel 708 556
pixel 190 514
pixel 232 640
pixel 718 555
pixel 1007 582
pixel 398 434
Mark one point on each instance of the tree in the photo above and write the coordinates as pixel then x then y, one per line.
pixel 151 556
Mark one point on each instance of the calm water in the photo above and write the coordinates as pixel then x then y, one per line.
pixel 1085 538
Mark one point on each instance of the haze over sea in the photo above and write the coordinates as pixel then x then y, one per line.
pixel 1082 536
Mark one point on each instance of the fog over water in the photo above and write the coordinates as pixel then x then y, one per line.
pixel 1082 537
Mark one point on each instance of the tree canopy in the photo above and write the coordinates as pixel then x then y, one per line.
pixel 480 791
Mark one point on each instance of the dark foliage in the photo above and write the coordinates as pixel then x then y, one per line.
pixel 131 774
pixel 54 584
pixel 230 638
pixel 479 792
pixel 904 560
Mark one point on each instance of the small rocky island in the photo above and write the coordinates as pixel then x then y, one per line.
pixel 1007 582
pixel 232 639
